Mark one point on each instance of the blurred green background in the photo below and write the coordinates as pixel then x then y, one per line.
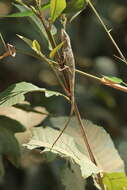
pixel 93 52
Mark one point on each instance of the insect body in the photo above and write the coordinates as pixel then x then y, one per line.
pixel 69 65
pixel 69 73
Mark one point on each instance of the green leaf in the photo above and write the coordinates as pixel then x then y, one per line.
pixel 71 177
pixel 26 13
pixel 36 23
pixel 36 47
pixel 65 147
pixel 75 6
pixel 115 181
pixel 32 44
pixel 56 8
pixel 26 40
pixel 34 20
pixel 15 93
pixel 9 146
pixel 2 170
pixel 11 124
pixel 49 156
pixel 113 79
pixel 53 52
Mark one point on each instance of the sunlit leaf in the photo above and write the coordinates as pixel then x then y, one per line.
pixel 28 41
pixel 32 44
pixel 107 157
pixel 56 8
pixel 115 181
pixel 54 51
pixel 75 6
pixel 65 147
pixel 113 79
pixel 15 93
pixel 28 118
pixel 36 47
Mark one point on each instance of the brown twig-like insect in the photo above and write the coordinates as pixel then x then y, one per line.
pixel 69 73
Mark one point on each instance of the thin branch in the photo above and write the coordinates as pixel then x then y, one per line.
pixel 107 31
pixel 85 139
pixel 88 75
pixel 93 77
pixel 103 81
pixel 53 44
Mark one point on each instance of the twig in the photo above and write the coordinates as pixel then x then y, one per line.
pixel 107 31
pixel 103 81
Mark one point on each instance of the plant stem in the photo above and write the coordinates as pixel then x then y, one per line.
pixel 88 75
pixel 53 44
pixel 84 136
pixel 103 81
pixel 107 31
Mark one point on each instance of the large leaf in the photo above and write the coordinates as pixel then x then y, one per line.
pixel 75 6
pixel 115 181
pixel 15 93
pixel 9 146
pixel 26 13
pixel 107 157
pixel 34 45
pixel 26 40
pixel 34 20
pixel 56 8
pixel 71 177
pixel 29 117
pixel 65 147
pixel 11 124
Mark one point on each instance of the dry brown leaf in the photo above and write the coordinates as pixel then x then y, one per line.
pixel 28 119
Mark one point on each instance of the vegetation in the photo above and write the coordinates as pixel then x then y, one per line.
pixel 85 148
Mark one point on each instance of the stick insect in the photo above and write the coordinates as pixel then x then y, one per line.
pixel 9 49
pixel 69 72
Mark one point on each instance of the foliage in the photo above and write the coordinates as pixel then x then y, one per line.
pixel 93 155
pixel 9 146
pixel 57 8
pixel 15 93
pixel 115 181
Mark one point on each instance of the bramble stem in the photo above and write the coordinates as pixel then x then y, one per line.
pixel 107 31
